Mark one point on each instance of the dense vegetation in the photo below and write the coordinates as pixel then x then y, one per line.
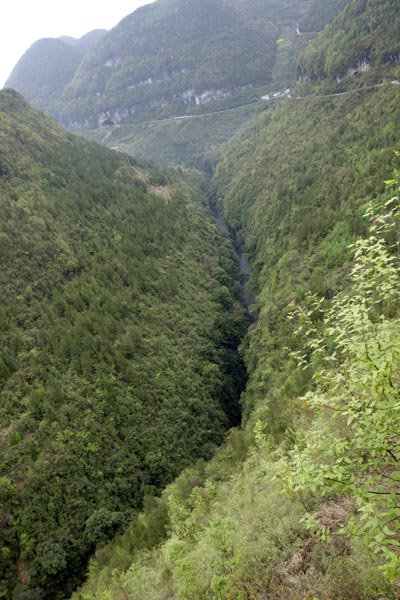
pixel 118 328
pixel 155 64
pixel 48 66
pixel 86 42
pixel 316 516
pixel 299 503
pixel 165 54
pixel 321 13
pixel 302 503
pixel 199 142
pixel 365 35
pixel 167 58
pixel 44 70
pixel 297 216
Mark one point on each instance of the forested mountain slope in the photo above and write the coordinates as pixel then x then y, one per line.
pixel 169 59
pixel 86 42
pixel 296 201
pixel 311 510
pixel 167 55
pixel 173 57
pixel 44 70
pixel 364 39
pixel 320 14
pixel 295 189
pixel 157 63
pixel 303 501
pixel 48 66
pixel 118 325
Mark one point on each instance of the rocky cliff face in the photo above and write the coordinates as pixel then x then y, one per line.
pixel 364 38
pixel 164 58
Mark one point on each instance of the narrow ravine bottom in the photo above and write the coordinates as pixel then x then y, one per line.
pixel 242 261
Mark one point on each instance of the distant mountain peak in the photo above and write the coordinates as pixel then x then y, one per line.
pixel 48 65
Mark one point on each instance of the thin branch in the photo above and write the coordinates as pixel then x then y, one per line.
pixel 366 491
pixel 391 521
pixel 392 455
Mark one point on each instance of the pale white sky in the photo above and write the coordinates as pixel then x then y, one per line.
pixel 25 21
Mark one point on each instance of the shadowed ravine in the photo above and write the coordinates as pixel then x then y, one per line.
pixel 242 261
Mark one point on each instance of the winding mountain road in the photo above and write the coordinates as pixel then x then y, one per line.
pixel 254 103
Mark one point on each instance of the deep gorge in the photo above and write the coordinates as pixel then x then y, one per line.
pixel 173 424
pixel 119 361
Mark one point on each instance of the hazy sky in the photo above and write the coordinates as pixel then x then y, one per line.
pixel 25 21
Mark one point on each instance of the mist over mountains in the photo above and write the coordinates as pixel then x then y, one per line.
pixel 48 65
pixel 163 58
